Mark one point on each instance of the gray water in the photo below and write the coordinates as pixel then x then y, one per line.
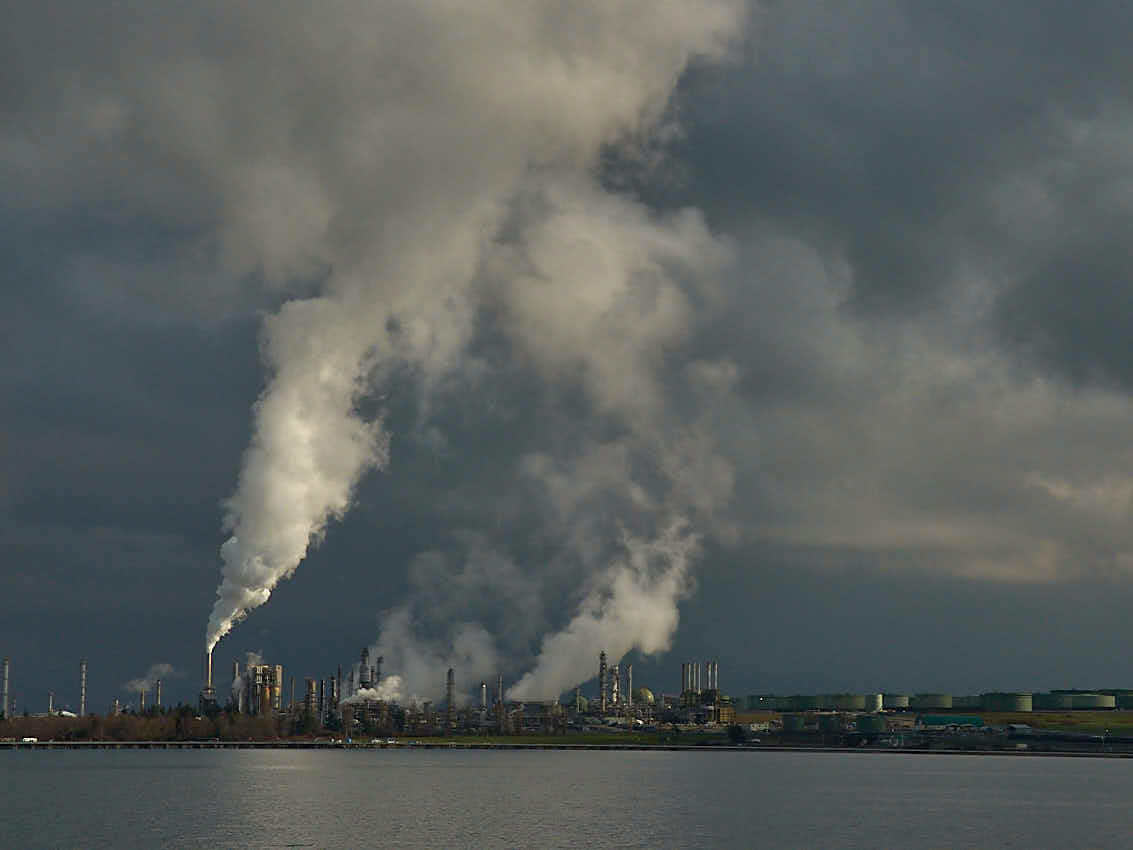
pixel 441 799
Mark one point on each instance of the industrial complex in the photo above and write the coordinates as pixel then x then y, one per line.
pixel 353 703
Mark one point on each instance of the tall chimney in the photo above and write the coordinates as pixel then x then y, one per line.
pixel 449 681
pixel 378 670
pixel 337 688
pixel 6 707
pixel 82 687
pixel 500 702
pixel 157 695
pixel 51 702
pixel 629 685
pixel 602 682
pixel 483 695
pixel 141 702
pixel 208 670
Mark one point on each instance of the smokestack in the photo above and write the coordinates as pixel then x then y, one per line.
pixel 51 702
pixel 377 677
pixel 82 687
pixel 602 681
pixel 337 687
pixel 157 695
pixel 291 706
pixel 483 695
pixel 7 705
pixel 696 676
pixel 208 670
pixel 141 702
pixel 629 685
pixel 449 682
pixel 235 670
pixel 500 702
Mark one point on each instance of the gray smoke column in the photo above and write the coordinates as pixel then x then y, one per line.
pixel 417 163
pixel 146 682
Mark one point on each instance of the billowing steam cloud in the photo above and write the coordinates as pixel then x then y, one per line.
pixel 147 682
pixel 389 689
pixel 460 175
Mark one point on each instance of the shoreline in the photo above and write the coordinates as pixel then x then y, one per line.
pixel 458 745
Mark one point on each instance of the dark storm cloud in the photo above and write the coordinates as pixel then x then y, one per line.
pixel 917 369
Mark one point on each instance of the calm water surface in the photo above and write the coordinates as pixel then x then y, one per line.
pixel 430 798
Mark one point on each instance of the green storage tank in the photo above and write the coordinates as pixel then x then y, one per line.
pixel 794 723
pixel 895 702
pixel 872 724
pixel 874 702
pixel 1094 702
pixel 830 722
pixel 1053 702
pixel 805 703
pixel 970 701
pixel 1000 701
pixel 846 702
pixel 931 702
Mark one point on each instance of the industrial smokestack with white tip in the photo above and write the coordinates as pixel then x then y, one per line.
pixel 83 688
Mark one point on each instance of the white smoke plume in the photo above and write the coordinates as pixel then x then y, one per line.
pixel 389 689
pixel 438 125
pixel 147 682
pixel 635 606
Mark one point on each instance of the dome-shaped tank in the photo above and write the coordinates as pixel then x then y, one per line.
pixel 643 696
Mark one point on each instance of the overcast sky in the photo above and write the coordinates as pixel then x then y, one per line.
pixel 804 322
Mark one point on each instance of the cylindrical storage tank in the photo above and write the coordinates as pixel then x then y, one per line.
pixel 871 724
pixel 793 723
pixel 1125 701
pixel 931 702
pixel 847 702
pixel 895 701
pixel 805 703
pixel 1094 701
pixel 874 702
pixel 1053 702
pixel 823 702
pixel 1007 702
pixel 972 701
pixel 830 723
